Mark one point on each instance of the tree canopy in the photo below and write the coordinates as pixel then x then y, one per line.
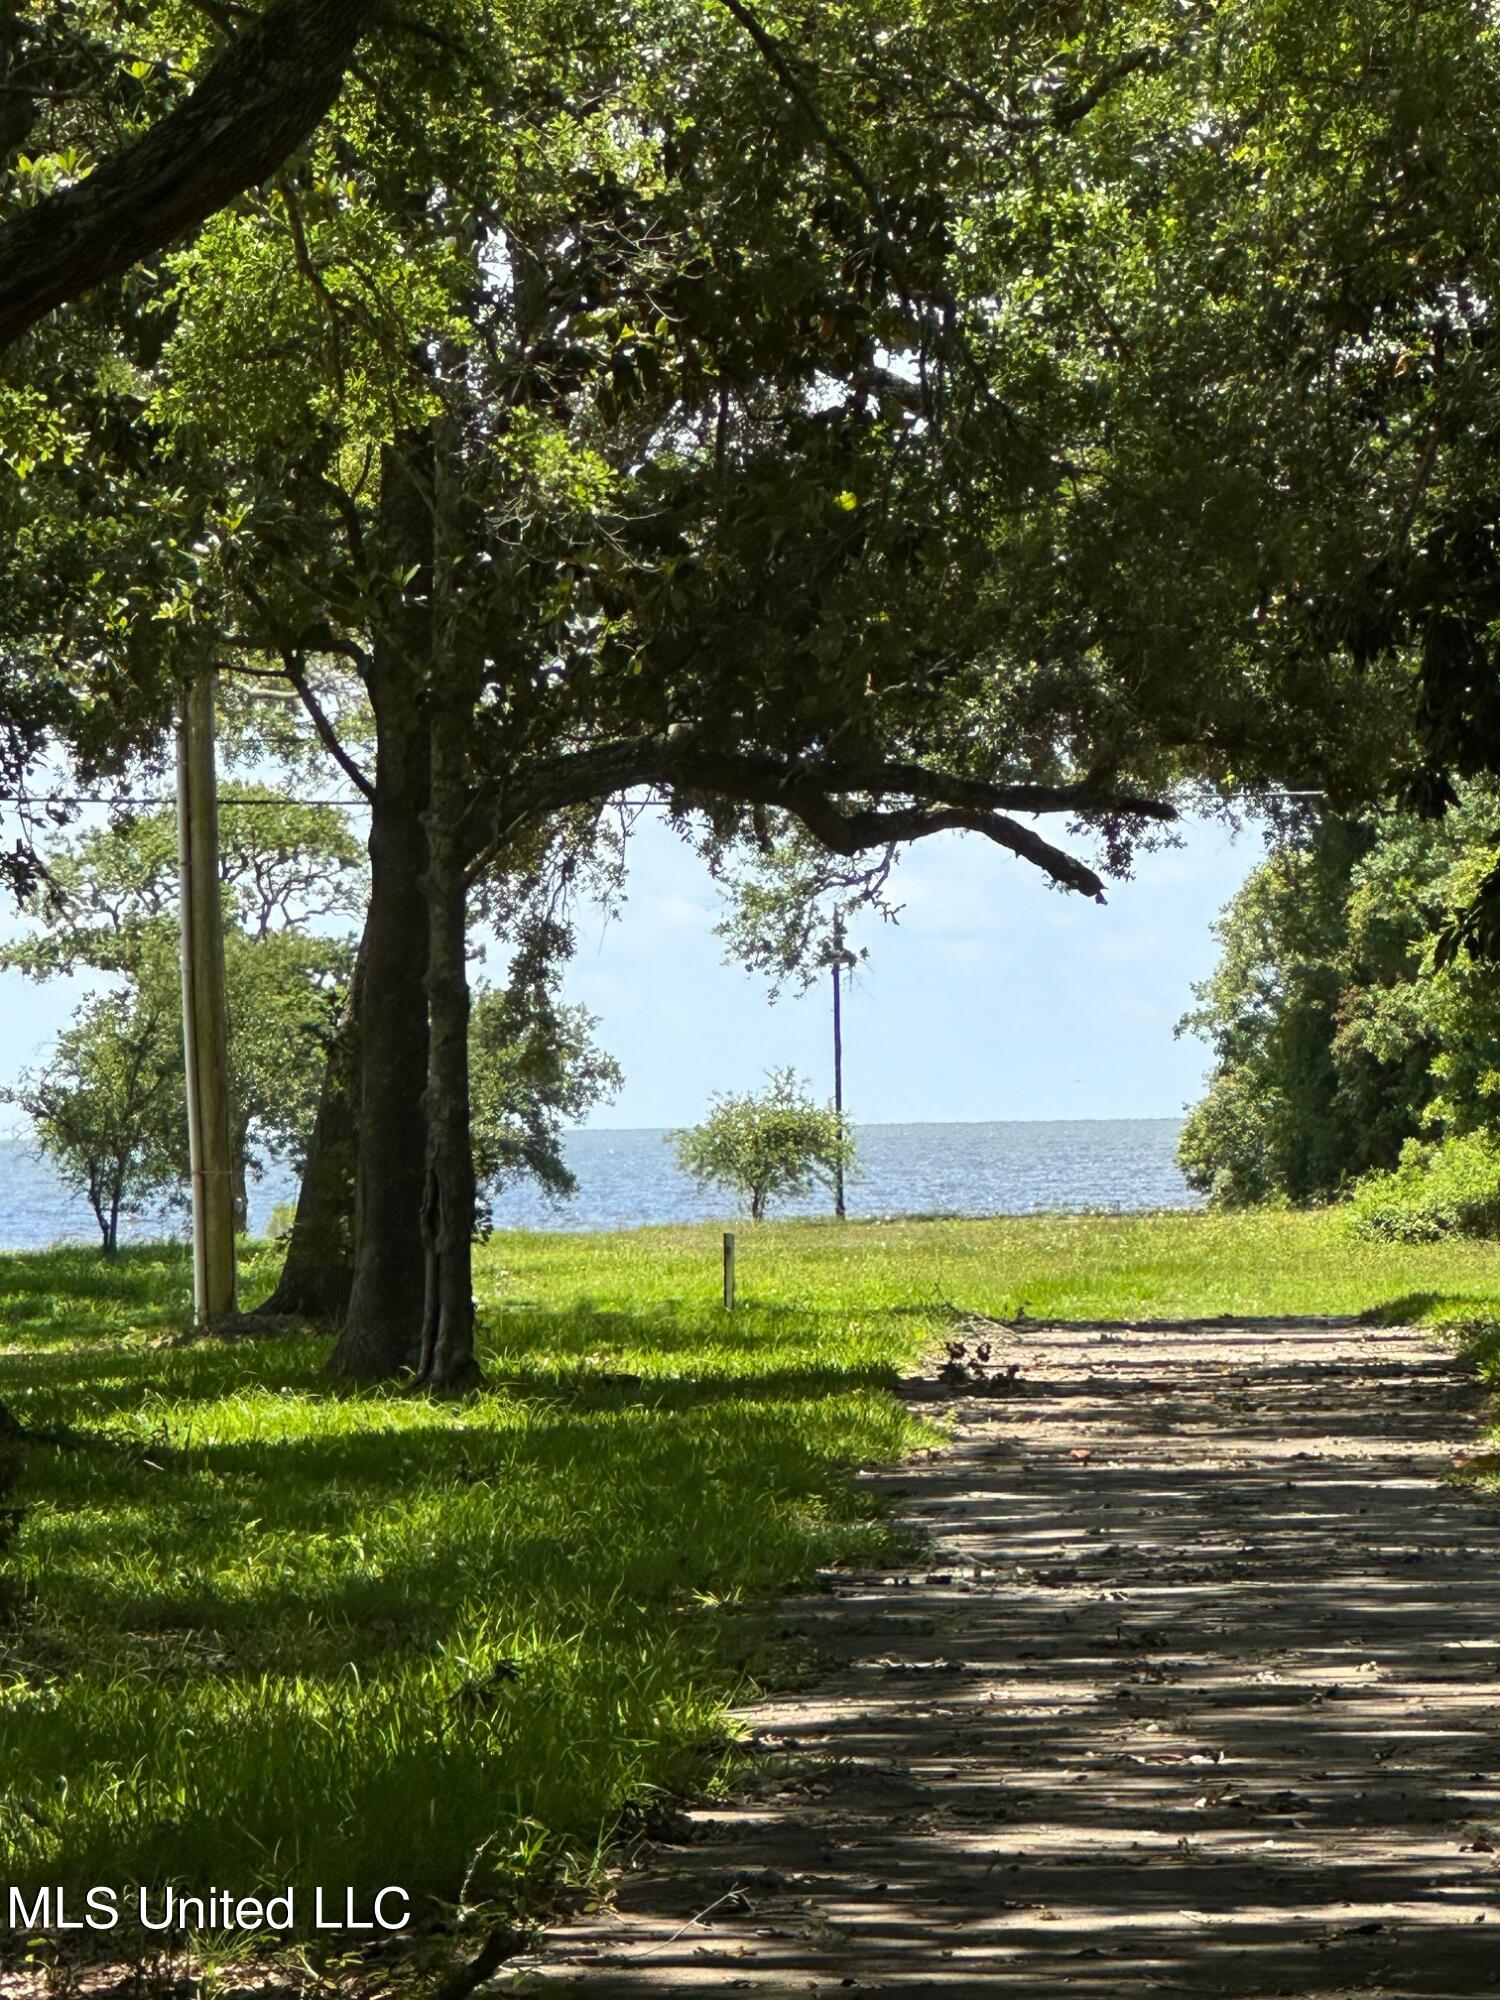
pixel 770 382
pixel 846 425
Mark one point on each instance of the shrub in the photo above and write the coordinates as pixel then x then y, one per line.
pixel 767 1146
pixel 1447 1188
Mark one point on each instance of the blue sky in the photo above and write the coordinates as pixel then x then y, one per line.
pixel 992 997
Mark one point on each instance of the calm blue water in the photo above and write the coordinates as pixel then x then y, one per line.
pixel 628 1178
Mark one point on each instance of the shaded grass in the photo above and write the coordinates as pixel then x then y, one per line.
pixel 276 1634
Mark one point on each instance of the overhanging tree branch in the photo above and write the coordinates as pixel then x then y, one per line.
pixel 836 800
pixel 255 104
pixel 679 759
pixel 852 832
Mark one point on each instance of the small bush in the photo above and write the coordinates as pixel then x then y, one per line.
pixel 1447 1188
pixel 279 1223
pixel 767 1146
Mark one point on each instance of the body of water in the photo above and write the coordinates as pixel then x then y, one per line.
pixel 629 1178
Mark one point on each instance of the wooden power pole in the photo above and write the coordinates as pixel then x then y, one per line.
pixel 838 1055
pixel 205 1016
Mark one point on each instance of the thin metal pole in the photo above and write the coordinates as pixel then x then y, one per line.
pixel 838 1056
pixel 205 1013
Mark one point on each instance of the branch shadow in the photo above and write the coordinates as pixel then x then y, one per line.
pixel 1193 1694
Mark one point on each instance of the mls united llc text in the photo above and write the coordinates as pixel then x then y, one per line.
pixel 102 1909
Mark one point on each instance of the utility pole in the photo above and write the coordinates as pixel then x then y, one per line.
pixel 838 1054
pixel 205 1014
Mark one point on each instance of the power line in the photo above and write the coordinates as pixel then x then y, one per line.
pixel 225 804
pixel 116 799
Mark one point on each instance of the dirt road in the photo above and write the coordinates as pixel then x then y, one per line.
pixel 1196 1690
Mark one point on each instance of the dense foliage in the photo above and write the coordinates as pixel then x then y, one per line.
pixel 1445 1187
pixel 108 1104
pixel 851 423
pixel 1340 1028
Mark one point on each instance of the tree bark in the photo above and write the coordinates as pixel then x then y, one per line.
pixel 381 1334
pixel 448 1361
pixel 254 106
pixel 319 1267
pixel 107 1217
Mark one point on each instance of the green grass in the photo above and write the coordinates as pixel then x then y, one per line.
pixel 261 1632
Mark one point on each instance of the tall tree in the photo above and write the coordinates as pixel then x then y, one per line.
pixel 803 421
pixel 1292 1111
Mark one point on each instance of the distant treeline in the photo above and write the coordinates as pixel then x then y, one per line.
pixel 1357 1043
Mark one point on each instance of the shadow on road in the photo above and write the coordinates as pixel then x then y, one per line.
pixel 1195 1693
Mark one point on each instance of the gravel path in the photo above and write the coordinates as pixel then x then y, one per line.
pixel 1196 1690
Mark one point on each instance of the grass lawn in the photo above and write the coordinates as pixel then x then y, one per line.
pixel 259 1632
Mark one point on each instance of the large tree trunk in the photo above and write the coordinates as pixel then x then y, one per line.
pixel 448 1362
pixel 382 1331
pixel 319 1267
